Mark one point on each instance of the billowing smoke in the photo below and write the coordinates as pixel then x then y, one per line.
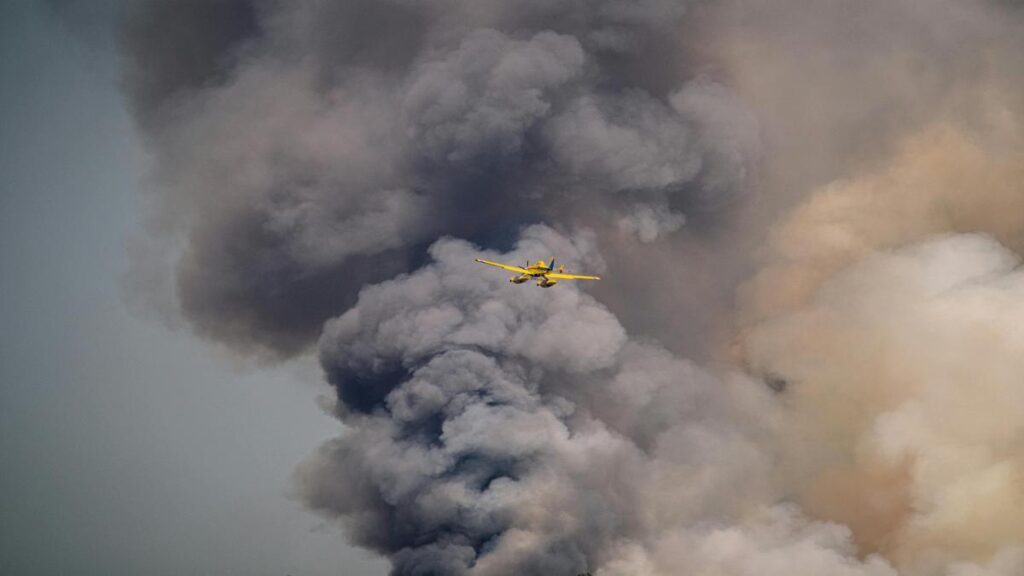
pixel 804 358
pixel 308 149
pixel 886 302
pixel 519 432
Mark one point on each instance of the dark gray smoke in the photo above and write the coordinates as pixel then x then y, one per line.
pixel 508 432
pixel 307 149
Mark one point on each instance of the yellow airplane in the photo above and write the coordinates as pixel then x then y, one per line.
pixel 546 273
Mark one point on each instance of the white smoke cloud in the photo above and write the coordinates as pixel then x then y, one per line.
pixel 918 352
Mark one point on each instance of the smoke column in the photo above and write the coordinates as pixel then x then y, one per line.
pixel 805 358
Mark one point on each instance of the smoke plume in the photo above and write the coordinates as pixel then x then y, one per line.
pixel 804 357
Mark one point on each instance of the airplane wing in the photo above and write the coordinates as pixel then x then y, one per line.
pixel 503 266
pixel 559 276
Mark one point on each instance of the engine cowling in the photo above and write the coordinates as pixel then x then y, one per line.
pixel 546 282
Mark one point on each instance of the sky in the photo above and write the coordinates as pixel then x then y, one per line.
pixel 126 446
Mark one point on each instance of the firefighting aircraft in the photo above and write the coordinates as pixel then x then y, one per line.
pixel 546 274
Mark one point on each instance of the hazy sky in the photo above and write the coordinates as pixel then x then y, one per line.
pixel 125 447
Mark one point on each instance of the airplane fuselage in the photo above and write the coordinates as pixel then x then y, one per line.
pixel 539 270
